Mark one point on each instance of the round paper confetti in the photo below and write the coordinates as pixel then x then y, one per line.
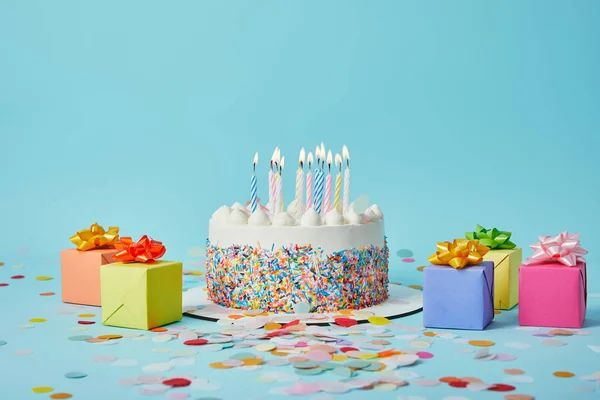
pixel 75 375
pixel 61 395
pixel 42 389
pixel 408 260
pixel 553 342
pixel 403 253
pixel 563 374
pixel 37 320
pixel 518 397
pixel 376 320
pixel 514 371
pixel 17 277
pixel 426 382
pixel 3 284
pixel 44 278
pixel 481 343
pixel 177 382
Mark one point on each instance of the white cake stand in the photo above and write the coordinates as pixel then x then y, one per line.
pixel 403 301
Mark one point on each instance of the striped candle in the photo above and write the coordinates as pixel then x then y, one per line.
pixel 253 189
pixel 280 187
pixel 309 182
pixel 338 183
pixel 346 156
pixel 318 183
pixel 272 186
pixel 328 184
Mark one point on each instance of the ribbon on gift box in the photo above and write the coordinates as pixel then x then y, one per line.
pixel 459 254
pixel 145 250
pixel 563 248
pixel 492 238
pixel 95 237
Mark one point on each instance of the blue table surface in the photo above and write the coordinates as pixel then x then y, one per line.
pixel 52 354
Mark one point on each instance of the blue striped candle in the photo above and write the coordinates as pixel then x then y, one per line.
pixel 253 190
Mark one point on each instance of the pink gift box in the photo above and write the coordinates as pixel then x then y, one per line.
pixel 552 295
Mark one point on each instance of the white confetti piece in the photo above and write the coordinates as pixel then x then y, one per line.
pixel 158 367
pixel 517 345
pixel 594 348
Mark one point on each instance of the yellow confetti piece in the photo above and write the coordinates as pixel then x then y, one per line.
pixel 271 326
pixel 481 343
pixel 339 357
pixel 1 263
pixel 219 365
pixel 367 356
pixel 86 315
pixel 251 361
pixel 421 268
pixel 264 347
pixel 345 312
pixel 196 273
pixel 376 320
pixel 418 287
pixel 497 312
pixel 43 278
pixel 110 337
pixel 563 374
pixel 42 389
pixel 61 396
pixel 278 353
pixel 429 334
pixel 37 320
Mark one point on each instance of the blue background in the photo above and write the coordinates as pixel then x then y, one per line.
pixel 147 114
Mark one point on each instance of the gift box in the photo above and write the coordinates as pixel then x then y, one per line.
pixel 507 259
pixel 553 284
pixel 138 291
pixel 458 295
pixel 80 267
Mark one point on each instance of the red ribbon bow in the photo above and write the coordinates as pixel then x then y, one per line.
pixel 146 250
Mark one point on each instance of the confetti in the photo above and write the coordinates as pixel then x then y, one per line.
pixel 75 375
pixel 37 320
pixel 45 278
pixel 563 374
pixel 553 342
pixel 518 397
pixel 375 320
pixel 47 294
pixel 481 343
pixel 517 345
pixel 61 395
pixel 42 389
pixel 514 371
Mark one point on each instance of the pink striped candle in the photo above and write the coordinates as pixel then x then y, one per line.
pixel 328 184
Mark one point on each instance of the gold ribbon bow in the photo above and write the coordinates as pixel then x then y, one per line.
pixel 95 237
pixel 459 254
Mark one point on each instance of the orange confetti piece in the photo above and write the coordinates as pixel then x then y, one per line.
pixel 108 337
pixel 219 365
pixel 158 330
pixel 429 334
pixel 345 312
pixel 61 396
pixel 235 316
pixel 497 312
pixel 47 294
pixel 272 326
pixel 481 343
pixel 448 379
pixel 518 397
pixel 252 361
pixel 514 371
pixel 421 268
pixel 563 374
pixel 1 263
pixel 388 353
pixel 560 332
pixel 418 287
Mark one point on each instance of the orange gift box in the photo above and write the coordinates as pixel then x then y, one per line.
pixel 80 271
pixel 80 267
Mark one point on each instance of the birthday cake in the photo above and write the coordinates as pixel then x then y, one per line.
pixel 319 256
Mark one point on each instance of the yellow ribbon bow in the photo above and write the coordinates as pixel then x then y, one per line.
pixel 95 237
pixel 459 254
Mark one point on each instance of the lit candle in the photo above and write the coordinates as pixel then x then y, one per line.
pixel 309 182
pixel 318 183
pixel 253 198
pixel 280 186
pixel 274 157
pixel 276 178
pixel 300 182
pixel 346 156
pixel 338 183
pixel 327 202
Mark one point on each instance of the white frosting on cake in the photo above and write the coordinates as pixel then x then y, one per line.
pixel 350 217
pixel 375 210
pixel 259 218
pixel 311 218
pixel 229 227
pixel 334 217
pixel 284 219
pixel 222 214
pixel 239 206
pixel 238 217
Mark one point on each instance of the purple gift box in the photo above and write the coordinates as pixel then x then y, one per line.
pixel 458 298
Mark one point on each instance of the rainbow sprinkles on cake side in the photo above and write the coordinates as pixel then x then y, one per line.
pixel 320 256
